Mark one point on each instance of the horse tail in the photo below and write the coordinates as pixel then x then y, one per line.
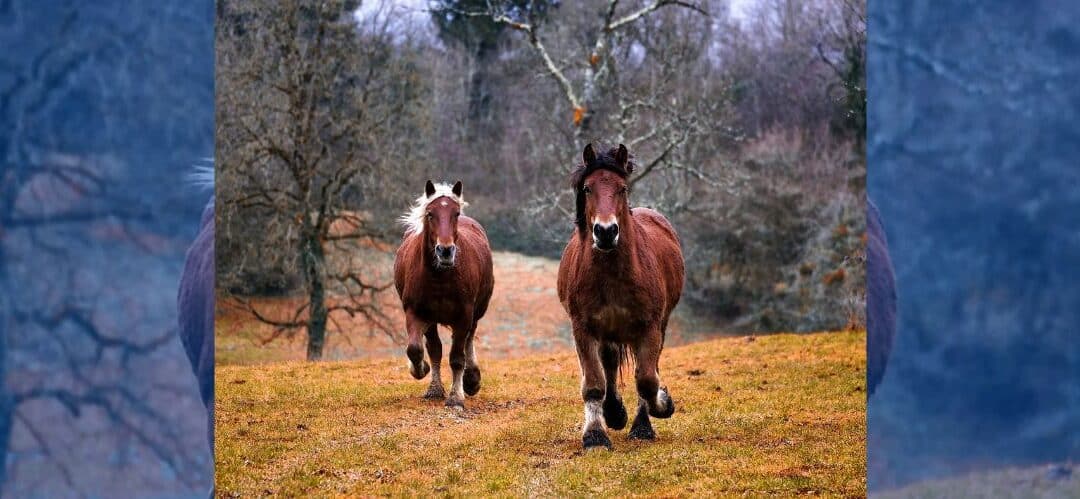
pixel 624 358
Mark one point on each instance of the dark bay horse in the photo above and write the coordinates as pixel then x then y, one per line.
pixel 195 311
pixel 880 299
pixel 443 275
pixel 620 277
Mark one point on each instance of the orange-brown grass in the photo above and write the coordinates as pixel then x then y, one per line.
pixel 777 415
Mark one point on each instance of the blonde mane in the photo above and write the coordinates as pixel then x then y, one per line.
pixel 413 220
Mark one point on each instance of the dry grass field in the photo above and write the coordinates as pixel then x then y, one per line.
pixel 772 415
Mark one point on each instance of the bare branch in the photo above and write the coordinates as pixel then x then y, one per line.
pixel 644 11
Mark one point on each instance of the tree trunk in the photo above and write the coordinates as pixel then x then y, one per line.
pixel 480 112
pixel 313 271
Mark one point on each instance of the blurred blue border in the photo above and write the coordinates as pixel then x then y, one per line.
pixel 974 162
pixel 105 107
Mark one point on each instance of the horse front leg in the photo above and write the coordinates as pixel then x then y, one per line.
pixel 593 432
pixel 614 410
pixel 457 366
pixel 653 399
pixel 472 369
pixel 434 348
pixel 418 367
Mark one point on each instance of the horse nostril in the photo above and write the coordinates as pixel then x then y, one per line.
pixel 615 230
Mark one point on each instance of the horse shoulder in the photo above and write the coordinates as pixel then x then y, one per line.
pixel 405 256
pixel 568 267
pixel 476 242
pixel 654 222
pixel 474 234
pixel 662 243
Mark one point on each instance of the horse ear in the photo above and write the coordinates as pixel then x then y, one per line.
pixel 457 188
pixel 588 156
pixel 622 159
pixel 429 189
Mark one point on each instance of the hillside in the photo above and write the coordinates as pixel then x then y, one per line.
pixel 781 414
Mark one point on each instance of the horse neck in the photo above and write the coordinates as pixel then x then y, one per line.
pixel 427 262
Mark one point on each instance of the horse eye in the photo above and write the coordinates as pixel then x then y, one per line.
pixel 429 215
pixel 586 189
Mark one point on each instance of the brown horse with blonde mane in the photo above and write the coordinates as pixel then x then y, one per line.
pixel 620 277
pixel 443 275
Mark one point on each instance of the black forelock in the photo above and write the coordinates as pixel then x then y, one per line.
pixel 605 160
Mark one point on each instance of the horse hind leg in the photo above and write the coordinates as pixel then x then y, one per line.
pixel 435 391
pixel 614 411
pixel 471 378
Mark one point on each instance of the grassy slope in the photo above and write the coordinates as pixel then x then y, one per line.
pixel 781 414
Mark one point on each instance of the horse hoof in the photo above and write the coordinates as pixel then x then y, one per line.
pixel 641 431
pixel 614 414
pixel 455 403
pixel 666 403
pixel 471 380
pixel 425 368
pixel 434 393
pixel 593 439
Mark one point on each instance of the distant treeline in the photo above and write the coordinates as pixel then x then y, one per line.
pixel 748 132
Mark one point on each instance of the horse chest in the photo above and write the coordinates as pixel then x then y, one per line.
pixel 615 318
pixel 442 304
pixel 610 318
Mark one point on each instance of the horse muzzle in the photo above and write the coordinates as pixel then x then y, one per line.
pixel 445 256
pixel 605 236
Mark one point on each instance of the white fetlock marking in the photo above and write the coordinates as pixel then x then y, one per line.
pixel 471 355
pixel 458 388
pixel 594 416
pixel 663 400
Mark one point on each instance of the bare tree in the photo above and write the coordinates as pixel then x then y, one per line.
pixel 306 110
pixel 96 399
pixel 596 66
